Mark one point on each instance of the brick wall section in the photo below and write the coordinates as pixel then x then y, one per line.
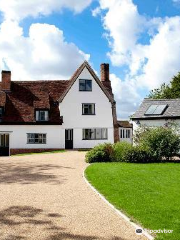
pixel 6 81
pixel 20 151
pixel 116 127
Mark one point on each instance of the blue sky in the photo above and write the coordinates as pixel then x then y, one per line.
pixel 139 39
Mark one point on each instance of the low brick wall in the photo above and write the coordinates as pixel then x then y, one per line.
pixel 34 150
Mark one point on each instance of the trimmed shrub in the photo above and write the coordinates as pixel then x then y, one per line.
pixel 100 153
pixel 120 150
pixel 138 154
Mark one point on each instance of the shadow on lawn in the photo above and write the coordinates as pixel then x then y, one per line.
pixel 28 174
pixel 33 221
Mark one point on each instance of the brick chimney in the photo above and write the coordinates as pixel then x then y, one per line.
pixel 105 72
pixel 107 84
pixel 6 81
pixel 105 77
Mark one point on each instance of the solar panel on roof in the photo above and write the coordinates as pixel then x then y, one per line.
pixel 156 110
pixel 151 109
pixel 160 109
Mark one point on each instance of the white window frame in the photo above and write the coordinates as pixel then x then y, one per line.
pixel 125 133
pixel 36 138
pixel 90 107
pixel 93 134
pixel 85 82
pixel 39 117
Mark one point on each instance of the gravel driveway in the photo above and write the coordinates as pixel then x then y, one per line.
pixel 44 197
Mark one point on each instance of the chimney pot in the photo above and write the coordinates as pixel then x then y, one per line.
pixel 6 81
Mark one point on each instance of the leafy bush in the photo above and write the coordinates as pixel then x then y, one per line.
pixel 161 142
pixel 140 133
pixel 138 154
pixel 120 150
pixel 100 153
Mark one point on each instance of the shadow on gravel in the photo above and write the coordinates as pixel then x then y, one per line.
pixel 34 222
pixel 29 174
pixel 63 236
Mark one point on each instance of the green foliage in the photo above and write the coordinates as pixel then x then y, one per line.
pixel 140 133
pixel 120 150
pixel 138 154
pixel 100 153
pixel 159 142
pixel 167 91
pixel 151 145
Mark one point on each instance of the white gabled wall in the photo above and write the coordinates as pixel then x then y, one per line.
pixel 71 110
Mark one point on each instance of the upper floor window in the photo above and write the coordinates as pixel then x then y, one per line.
pixel 85 85
pixel 88 109
pixel 42 115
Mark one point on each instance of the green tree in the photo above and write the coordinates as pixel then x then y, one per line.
pixel 167 91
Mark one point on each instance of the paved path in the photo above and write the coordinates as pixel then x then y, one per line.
pixel 44 197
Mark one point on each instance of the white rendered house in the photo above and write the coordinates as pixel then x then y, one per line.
pixel 49 115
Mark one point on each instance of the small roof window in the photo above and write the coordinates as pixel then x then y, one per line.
pixel 156 110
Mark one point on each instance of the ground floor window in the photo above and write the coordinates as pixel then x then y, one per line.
pixel 95 134
pixel 125 133
pixel 36 138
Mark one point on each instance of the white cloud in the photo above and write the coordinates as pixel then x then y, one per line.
pixel 96 11
pixel 148 47
pixel 43 55
pixel 127 97
pixel 124 25
pixel 20 9
pixel 163 54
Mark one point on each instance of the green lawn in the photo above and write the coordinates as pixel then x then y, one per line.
pixel 148 193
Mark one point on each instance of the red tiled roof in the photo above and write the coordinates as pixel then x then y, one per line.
pixel 26 96
pixel 125 124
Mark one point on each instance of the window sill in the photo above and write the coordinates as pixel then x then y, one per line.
pixel 37 143
pixel 95 139
pixel 85 90
pixel 88 114
pixel 42 120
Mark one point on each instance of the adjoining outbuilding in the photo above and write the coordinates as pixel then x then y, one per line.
pixel 125 131
pixel 156 113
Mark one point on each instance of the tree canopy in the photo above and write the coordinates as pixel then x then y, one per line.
pixel 167 91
